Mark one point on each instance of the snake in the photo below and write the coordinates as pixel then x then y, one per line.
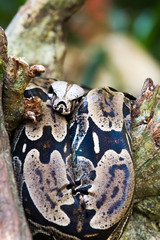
pixel 73 167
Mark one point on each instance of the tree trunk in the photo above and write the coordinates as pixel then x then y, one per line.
pixel 12 221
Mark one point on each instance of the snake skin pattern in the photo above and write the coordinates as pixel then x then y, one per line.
pixel 75 174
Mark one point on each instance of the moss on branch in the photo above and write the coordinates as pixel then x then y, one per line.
pixel 12 221
pixel 145 221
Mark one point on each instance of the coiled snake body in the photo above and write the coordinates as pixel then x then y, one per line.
pixel 75 174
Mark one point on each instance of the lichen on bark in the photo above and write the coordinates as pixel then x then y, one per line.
pixel 39 33
pixel 12 221
pixel 3 54
pixel 146 141
pixel 145 221
pixel 18 75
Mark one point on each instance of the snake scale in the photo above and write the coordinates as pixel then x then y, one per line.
pixel 74 172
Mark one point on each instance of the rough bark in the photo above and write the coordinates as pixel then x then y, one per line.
pixel 39 37
pixel 145 220
pixel 39 34
pixel 12 221
pixel 18 75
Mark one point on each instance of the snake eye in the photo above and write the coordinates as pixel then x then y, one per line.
pixel 50 90
pixel 51 94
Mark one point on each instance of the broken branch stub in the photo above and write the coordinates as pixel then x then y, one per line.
pixel 18 75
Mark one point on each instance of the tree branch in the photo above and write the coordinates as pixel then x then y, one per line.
pixel 39 33
pixel 145 221
pixel 12 221
pixel 18 75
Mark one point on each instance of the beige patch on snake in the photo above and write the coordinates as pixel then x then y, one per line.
pixel 110 188
pixel 105 109
pixel 34 131
pixel 47 186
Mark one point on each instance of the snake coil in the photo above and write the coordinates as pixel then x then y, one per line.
pixel 75 174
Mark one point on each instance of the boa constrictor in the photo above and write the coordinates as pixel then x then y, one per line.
pixel 75 173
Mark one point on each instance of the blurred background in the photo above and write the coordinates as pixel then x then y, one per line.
pixel 109 42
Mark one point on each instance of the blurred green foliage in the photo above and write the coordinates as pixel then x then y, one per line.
pixel 8 9
pixel 140 19
pixel 97 60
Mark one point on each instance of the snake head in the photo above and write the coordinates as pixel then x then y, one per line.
pixel 65 96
